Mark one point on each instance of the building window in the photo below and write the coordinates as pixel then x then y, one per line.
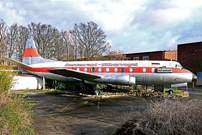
pixel 145 58
pixel 135 58
pixel 128 58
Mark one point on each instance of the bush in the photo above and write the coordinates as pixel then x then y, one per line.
pixel 14 114
pixel 166 117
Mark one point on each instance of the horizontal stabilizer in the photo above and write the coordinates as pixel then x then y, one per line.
pixel 74 73
pixel 20 64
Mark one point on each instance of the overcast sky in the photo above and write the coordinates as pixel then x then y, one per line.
pixel 130 25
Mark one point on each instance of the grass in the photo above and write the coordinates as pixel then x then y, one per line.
pixel 15 116
pixel 165 117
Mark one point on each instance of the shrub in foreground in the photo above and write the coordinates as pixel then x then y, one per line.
pixel 14 114
pixel 166 117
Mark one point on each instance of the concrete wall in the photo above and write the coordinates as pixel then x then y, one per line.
pixel 24 82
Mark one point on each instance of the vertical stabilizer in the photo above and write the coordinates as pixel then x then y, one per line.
pixel 31 55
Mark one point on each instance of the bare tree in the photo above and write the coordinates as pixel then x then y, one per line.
pixel 84 41
pixel 54 46
pixel 35 32
pixel 89 40
pixel 67 48
pixel 23 34
pixel 73 46
pixel 3 30
pixel 116 55
pixel 47 39
pixel 12 36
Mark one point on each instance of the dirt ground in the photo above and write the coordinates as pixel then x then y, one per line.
pixel 63 114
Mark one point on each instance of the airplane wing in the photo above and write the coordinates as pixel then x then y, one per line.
pixel 74 73
pixel 20 64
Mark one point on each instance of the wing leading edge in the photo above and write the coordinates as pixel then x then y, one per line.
pixel 74 73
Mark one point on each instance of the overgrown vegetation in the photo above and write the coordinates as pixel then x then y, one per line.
pixel 165 117
pixel 14 114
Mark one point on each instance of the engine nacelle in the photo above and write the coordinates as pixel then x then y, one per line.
pixel 115 79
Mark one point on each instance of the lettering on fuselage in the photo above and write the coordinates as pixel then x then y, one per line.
pixel 164 70
pixel 81 65
pixel 120 64
pixel 103 64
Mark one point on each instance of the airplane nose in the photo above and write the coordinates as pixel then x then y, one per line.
pixel 194 77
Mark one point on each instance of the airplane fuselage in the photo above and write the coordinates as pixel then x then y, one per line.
pixel 157 73
pixel 118 72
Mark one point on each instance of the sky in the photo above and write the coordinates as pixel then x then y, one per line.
pixel 131 26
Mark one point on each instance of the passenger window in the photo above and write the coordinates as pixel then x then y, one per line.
pixel 78 69
pixel 144 69
pixel 85 69
pixel 122 70
pixel 100 69
pixel 153 70
pixel 131 69
pixel 93 69
pixel 116 69
pixel 107 69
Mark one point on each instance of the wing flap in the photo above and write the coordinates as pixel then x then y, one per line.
pixel 20 64
pixel 74 73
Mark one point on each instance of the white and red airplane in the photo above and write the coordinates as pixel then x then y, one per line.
pixel 157 73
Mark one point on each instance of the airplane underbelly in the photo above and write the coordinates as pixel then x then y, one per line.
pixel 163 78
pixel 150 79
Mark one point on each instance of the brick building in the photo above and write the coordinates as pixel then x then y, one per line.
pixel 190 56
pixel 155 55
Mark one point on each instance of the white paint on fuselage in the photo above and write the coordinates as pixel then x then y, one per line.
pixel 113 64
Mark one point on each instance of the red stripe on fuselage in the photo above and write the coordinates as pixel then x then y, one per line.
pixel 112 69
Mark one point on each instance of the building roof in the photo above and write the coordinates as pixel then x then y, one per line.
pixel 191 43
pixel 150 52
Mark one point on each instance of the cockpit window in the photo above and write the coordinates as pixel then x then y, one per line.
pixel 177 65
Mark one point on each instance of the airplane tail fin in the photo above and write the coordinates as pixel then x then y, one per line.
pixel 31 55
